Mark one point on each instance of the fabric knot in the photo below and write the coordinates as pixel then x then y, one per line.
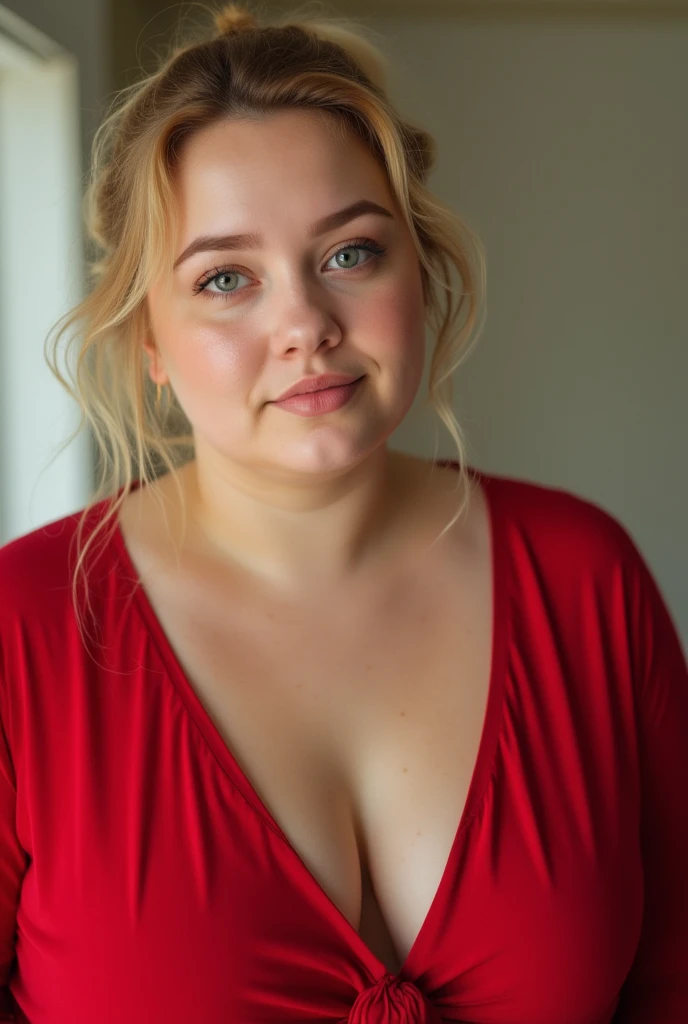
pixel 393 1001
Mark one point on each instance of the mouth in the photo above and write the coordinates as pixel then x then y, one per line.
pixel 319 390
pixel 312 391
pixel 322 401
pixel 329 387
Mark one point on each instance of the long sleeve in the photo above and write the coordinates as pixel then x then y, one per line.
pixel 656 988
pixel 12 865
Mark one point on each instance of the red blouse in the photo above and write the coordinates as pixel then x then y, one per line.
pixel 142 880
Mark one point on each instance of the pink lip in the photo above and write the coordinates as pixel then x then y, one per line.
pixel 317 403
pixel 310 384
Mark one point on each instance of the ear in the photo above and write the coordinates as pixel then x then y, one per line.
pixel 156 369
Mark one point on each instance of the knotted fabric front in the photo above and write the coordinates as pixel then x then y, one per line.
pixel 392 1001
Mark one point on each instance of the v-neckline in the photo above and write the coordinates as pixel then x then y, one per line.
pixel 410 967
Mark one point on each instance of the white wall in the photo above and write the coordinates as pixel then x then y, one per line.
pixel 54 72
pixel 80 28
pixel 41 276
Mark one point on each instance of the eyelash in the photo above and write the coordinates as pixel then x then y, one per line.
pixel 367 244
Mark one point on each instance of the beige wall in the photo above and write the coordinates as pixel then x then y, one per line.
pixel 563 142
pixel 561 129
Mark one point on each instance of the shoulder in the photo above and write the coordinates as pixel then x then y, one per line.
pixel 36 568
pixel 578 573
pixel 552 526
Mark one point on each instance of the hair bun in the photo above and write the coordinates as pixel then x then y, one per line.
pixel 234 18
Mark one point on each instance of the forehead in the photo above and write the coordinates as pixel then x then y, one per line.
pixel 298 160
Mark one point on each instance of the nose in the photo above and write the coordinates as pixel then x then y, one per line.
pixel 305 322
pixel 393 1001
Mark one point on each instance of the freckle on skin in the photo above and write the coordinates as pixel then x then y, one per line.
pixel 402 713
pixel 404 769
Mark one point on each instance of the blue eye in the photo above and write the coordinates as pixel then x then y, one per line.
pixel 224 275
pixel 377 251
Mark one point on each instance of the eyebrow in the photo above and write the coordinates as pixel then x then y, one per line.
pixel 223 243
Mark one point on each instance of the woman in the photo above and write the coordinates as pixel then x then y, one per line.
pixel 306 740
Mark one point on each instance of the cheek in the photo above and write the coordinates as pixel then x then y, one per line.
pixel 214 359
pixel 214 371
pixel 394 323
pixel 202 354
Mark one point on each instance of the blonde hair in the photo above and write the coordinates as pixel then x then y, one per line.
pixel 325 64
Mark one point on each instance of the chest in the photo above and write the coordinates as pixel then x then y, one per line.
pixel 357 726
